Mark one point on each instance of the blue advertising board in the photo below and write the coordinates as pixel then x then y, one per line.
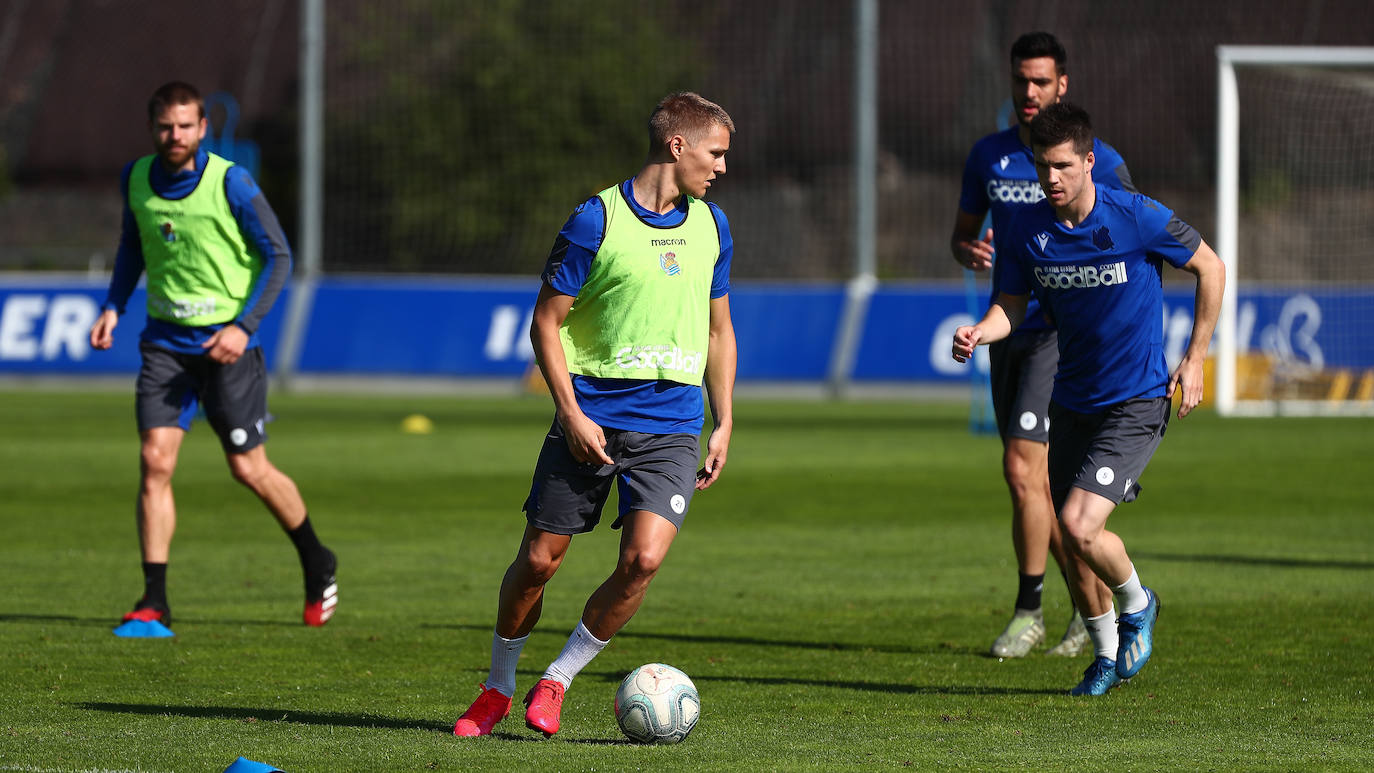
pixel 479 327
pixel 45 327
pixel 426 326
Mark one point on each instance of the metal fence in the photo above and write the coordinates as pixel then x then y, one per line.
pixel 459 135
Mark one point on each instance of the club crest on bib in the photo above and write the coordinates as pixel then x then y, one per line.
pixel 169 234
pixel 668 262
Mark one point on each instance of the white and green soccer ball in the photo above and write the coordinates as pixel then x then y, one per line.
pixel 657 704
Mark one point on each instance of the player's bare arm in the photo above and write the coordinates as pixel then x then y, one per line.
pixel 586 440
pixel 102 332
pixel 996 324
pixel 971 251
pixel 721 357
pixel 1211 283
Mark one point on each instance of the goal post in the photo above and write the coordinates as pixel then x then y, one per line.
pixel 1295 186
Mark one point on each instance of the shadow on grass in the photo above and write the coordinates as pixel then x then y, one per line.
pixel 244 714
pixel 840 684
pixel 11 617
pixel 750 641
pixel 113 620
pixel 603 741
pixel 611 677
pixel 1277 561
pixel 323 718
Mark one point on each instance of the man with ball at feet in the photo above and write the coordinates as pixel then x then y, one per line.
pixel 633 316
pixel 1093 257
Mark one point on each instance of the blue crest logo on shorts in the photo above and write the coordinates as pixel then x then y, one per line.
pixel 168 233
pixel 1102 239
pixel 668 262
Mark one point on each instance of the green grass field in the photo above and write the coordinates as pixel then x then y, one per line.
pixel 832 597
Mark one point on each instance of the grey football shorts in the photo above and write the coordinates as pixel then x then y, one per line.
pixel 1022 378
pixel 171 385
pixel 1105 453
pixel 656 473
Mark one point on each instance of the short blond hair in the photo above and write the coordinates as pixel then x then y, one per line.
pixel 688 114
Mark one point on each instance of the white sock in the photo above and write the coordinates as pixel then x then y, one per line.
pixel 1130 595
pixel 1102 630
pixel 505 654
pixel 576 654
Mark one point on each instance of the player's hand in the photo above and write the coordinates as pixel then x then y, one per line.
pixel 1188 378
pixel 716 448
pixel 102 332
pixel 586 440
pixel 966 339
pixel 977 255
pixel 227 344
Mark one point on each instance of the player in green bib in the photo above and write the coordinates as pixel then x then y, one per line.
pixel 216 260
pixel 633 319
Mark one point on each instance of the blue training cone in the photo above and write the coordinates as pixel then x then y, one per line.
pixel 242 765
pixel 143 629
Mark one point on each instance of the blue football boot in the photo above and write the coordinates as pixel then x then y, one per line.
pixel 1100 677
pixel 1136 632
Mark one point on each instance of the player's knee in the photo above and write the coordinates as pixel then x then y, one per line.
pixel 1078 534
pixel 1024 463
pixel 1024 479
pixel 1014 472
pixel 642 564
pixel 249 471
pixel 537 568
pixel 157 463
pixel 1075 545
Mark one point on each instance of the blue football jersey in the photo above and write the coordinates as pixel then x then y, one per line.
pixel 999 177
pixel 1102 286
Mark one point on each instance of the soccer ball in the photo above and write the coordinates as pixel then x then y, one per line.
pixel 657 704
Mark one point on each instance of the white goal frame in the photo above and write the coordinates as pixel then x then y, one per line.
pixel 1228 194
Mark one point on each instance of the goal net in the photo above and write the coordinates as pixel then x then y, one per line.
pixel 1295 226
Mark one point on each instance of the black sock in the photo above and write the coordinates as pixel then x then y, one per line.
pixel 154 585
pixel 313 554
pixel 1028 595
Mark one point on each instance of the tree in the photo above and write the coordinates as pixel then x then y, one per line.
pixel 461 135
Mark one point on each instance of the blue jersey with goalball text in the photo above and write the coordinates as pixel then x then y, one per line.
pixel 999 178
pixel 1101 284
